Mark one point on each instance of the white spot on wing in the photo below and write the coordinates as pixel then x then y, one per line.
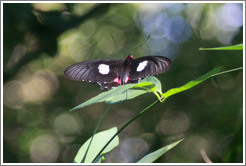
pixel 141 66
pixel 103 69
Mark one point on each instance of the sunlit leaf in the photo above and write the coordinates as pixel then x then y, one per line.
pixel 99 159
pixel 125 92
pixel 99 140
pixel 150 158
pixel 235 47
pixel 190 84
pixel 149 84
pixel 197 81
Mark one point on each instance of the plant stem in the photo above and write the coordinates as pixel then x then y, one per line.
pixel 98 125
pixel 129 122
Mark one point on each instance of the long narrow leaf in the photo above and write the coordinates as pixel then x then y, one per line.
pixel 190 84
pixel 214 72
pixel 235 47
pixel 150 158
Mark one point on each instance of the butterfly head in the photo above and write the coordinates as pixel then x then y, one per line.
pixel 129 57
pixel 128 60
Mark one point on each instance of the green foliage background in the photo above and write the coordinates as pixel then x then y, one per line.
pixel 41 40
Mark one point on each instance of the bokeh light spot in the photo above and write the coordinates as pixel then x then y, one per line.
pixel 173 122
pixel 230 16
pixel 41 87
pixel 13 94
pixel 49 6
pixel 44 149
pixel 66 124
pixel 133 148
pixel 175 28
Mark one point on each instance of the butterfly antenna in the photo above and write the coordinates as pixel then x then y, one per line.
pixel 141 44
pixel 122 48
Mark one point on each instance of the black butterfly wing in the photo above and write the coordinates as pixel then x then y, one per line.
pixel 90 71
pixel 149 65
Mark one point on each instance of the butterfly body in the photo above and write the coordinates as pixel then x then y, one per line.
pixel 112 73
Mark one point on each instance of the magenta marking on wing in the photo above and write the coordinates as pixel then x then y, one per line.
pixel 117 80
pixel 127 79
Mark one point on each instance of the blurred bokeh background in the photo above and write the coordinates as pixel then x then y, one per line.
pixel 42 39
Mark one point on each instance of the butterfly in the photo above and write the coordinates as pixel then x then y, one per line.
pixel 109 73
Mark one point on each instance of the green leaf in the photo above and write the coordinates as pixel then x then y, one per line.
pixel 99 140
pixel 150 158
pixel 190 84
pixel 149 84
pixel 99 159
pixel 125 92
pixel 235 47
pixel 197 81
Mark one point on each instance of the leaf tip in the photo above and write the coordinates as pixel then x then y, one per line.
pixel 71 109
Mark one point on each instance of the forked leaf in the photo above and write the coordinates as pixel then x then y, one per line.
pixel 99 140
pixel 150 158
pixel 235 47
pixel 125 92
